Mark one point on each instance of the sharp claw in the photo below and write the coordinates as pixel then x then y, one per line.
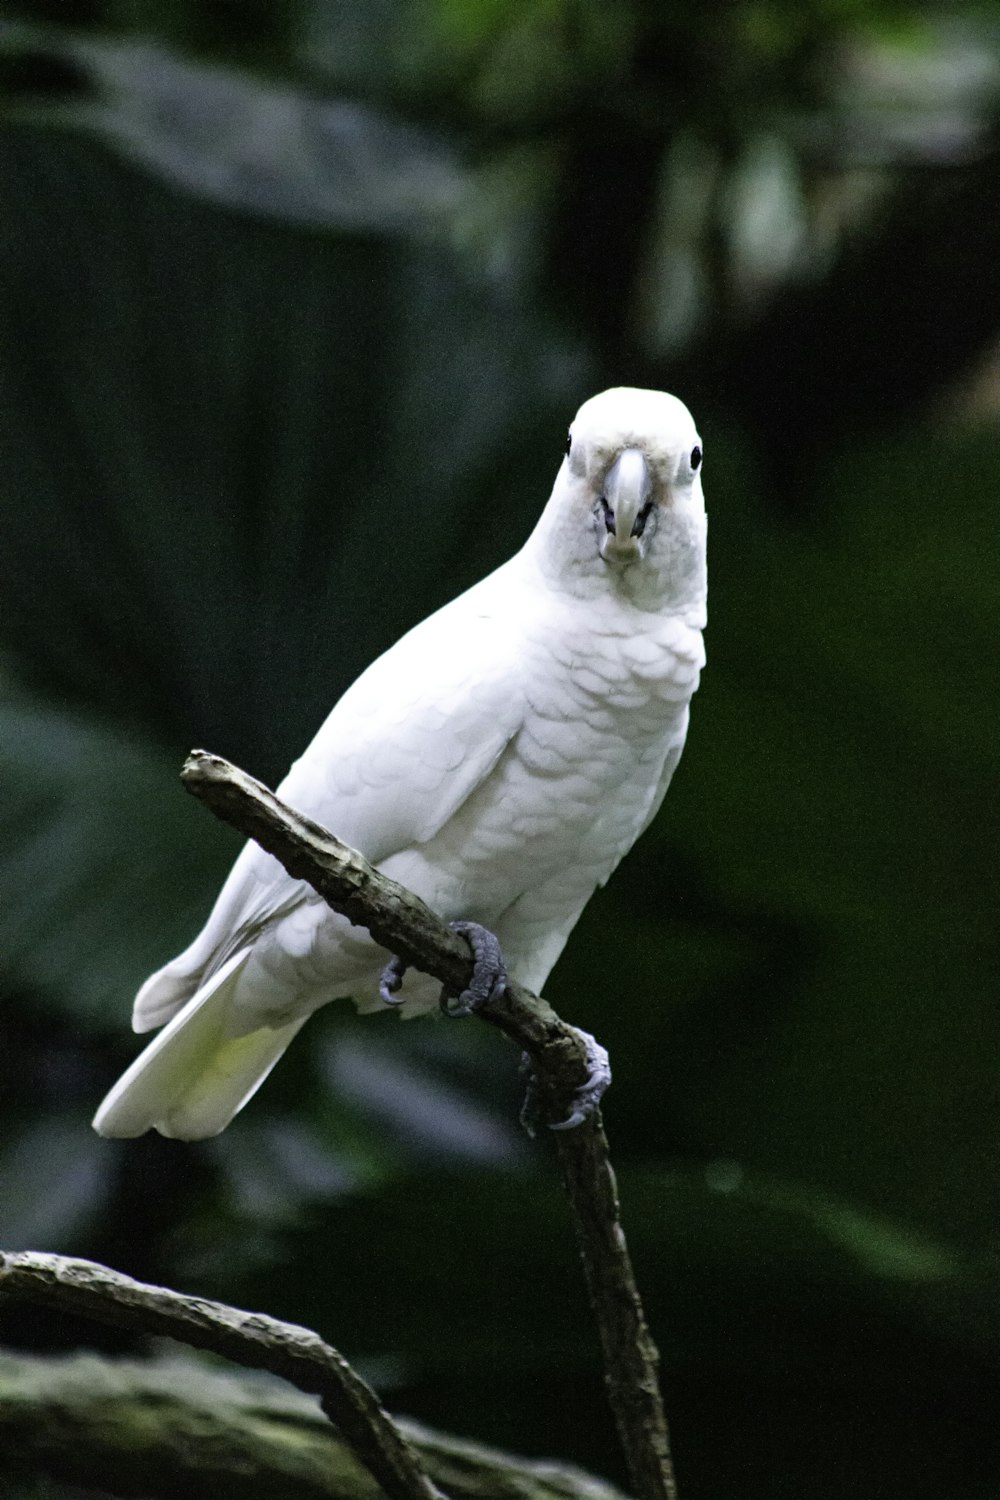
pixel 585 1099
pixel 588 1096
pixel 489 974
pixel 390 981
pixel 455 1007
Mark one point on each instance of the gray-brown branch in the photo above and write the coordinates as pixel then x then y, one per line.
pixel 253 1339
pixel 404 925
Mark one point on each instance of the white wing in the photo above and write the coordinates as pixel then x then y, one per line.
pixel 397 757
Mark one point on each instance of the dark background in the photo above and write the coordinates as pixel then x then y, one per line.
pixel 297 300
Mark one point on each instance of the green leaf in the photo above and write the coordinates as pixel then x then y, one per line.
pixel 273 459
pixel 108 867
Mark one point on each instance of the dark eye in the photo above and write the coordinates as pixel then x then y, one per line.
pixel 569 443
pixel 695 457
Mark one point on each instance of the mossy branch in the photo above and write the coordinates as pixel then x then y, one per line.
pixel 175 1427
pixel 253 1339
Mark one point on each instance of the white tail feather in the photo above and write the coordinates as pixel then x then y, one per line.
pixel 163 995
pixel 166 992
pixel 194 1077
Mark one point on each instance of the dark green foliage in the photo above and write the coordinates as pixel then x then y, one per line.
pixel 258 416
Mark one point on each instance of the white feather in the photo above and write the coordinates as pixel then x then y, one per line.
pixel 192 1079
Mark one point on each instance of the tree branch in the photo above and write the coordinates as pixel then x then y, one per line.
pixel 396 918
pixel 176 1427
pixel 404 925
pixel 252 1339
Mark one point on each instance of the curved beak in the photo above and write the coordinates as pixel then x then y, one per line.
pixel 625 507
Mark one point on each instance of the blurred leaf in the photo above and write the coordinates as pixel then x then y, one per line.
pixel 269 421
pixel 408 1089
pixel 51 1489
pixel 763 1317
pixel 498 1246
pixel 107 867
pixel 54 1181
pixel 237 140
pixel 883 1248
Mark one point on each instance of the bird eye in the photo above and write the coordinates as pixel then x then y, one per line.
pixel 695 457
pixel 569 443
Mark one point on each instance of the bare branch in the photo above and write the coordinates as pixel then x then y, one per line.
pixel 404 925
pixel 252 1339
pixel 631 1358
pixel 396 919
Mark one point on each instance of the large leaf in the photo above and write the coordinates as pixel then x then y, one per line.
pixel 243 455
pixel 239 140
pixel 107 867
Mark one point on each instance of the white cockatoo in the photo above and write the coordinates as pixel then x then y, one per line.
pixel 499 760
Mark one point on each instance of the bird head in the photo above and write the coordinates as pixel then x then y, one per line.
pixel 627 508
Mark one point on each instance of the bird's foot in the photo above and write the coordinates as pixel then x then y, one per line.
pixel 584 1099
pixel 489 973
pixel 390 980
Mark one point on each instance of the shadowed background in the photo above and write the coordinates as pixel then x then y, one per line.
pixel 296 303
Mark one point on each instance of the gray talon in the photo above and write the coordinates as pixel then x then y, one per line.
pixel 489 974
pixel 390 981
pixel 585 1099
